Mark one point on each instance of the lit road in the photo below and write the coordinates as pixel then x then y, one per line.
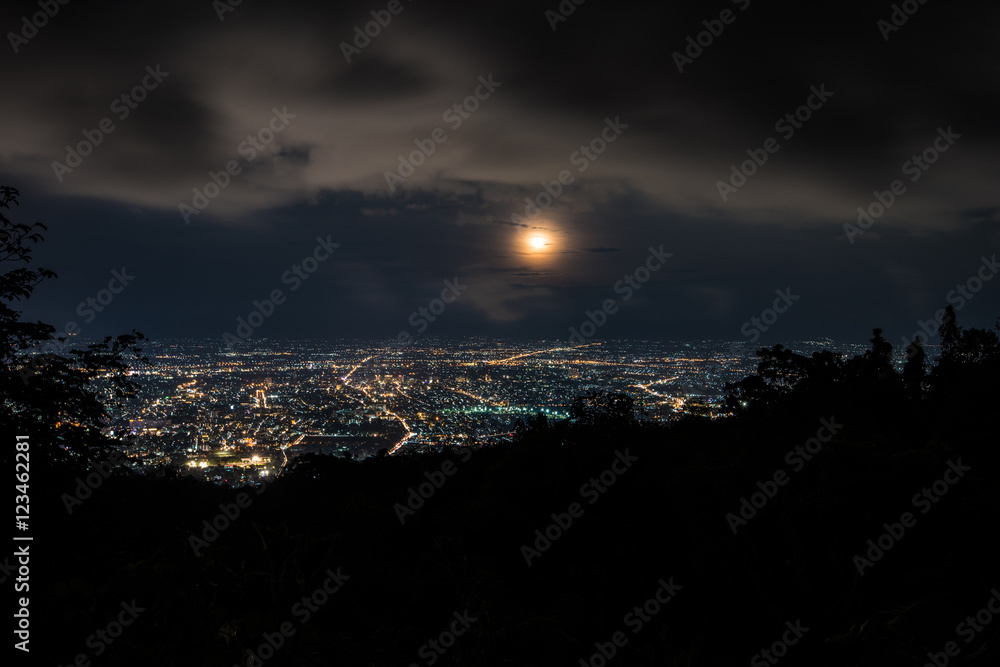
pixel 531 354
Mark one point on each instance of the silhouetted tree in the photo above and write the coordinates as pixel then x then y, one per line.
pixel 47 388
pixel 824 372
pixel 879 358
pixel 968 364
pixel 914 369
pixel 601 408
pixel 978 346
pixel 781 368
pixel 536 423
pixel 791 383
pixel 951 333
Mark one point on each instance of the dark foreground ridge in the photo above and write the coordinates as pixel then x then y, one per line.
pixel 846 516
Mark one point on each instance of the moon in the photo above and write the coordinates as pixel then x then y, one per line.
pixel 538 244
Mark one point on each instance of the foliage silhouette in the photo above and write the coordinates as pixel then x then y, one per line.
pixel 49 390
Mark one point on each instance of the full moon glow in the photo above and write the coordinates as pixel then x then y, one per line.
pixel 538 244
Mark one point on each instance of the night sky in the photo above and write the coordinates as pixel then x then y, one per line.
pixel 327 131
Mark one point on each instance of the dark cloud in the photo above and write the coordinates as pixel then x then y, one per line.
pixel 374 78
pixel 454 213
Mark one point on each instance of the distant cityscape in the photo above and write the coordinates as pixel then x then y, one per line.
pixel 236 416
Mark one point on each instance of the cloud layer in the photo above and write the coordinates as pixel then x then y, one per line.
pixel 479 111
